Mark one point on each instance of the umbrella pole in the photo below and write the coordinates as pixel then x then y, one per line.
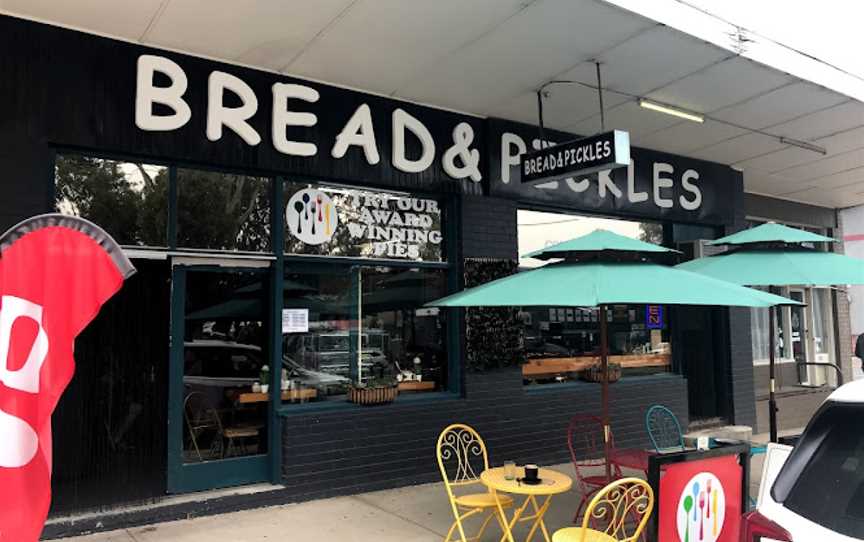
pixel 604 390
pixel 772 400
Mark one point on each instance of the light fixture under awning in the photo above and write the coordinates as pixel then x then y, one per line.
pixel 675 112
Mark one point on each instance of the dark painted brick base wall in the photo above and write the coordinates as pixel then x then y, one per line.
pixel 369 448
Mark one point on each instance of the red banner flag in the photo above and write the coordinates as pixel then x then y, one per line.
pixel 56 271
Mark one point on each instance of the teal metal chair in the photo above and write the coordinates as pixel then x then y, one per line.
pixel 664 430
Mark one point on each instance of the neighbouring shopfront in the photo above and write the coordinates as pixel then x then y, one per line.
pixel 287 234
pixel 810 340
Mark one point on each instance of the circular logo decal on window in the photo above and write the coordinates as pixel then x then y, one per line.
pixel 311 216
pixel 701 509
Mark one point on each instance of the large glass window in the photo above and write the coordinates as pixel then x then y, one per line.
pixel 563 343
pixel 338 221
pixel 361 327
pixel 127 199
pixel 222 211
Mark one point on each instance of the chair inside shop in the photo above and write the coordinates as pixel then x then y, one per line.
pixel 462 458
pixel 203 422
pixel 664 430
pixel 618 512
pixel 587 452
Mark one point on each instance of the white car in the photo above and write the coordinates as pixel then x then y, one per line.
pixel 814 492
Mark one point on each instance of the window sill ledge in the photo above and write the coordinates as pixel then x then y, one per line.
pixel 331 406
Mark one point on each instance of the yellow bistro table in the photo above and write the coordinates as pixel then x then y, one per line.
pixel 552 483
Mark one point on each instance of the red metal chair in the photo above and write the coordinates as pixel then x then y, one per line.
pixel 585 440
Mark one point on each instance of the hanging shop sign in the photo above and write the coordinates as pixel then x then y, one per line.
pixel 605 151
pixel 335 221
pixel 654 185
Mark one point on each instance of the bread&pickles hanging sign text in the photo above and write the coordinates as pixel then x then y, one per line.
pixel 599 152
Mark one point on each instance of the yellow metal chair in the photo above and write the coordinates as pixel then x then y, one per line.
pixel 622 509
pixel 462 458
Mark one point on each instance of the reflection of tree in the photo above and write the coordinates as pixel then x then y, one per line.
pixel 99 190
pixel 222 211
pixel 215 210
pixel 651 232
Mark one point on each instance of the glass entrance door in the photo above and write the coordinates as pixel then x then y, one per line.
pixel 218 407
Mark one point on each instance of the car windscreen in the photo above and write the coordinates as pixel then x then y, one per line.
pixel 823 479
pixel 333 343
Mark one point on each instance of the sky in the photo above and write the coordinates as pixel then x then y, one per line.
pixel 827 29
pixel 539 230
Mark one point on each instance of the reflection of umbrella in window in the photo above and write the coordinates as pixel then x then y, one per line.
pixel 254 309
pixel 602 269
pixel 247 303
pixel 287 286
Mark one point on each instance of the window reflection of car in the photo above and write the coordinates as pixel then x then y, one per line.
pixel 330 352
pixel 213 365
pixel 548 350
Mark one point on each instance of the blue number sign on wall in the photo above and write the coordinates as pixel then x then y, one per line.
pixel 654 316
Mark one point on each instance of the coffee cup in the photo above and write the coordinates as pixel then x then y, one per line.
pixel 531 473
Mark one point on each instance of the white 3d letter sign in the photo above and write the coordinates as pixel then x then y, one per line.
pixel 171 96
pixel 232 117
pixel 20 441
pixel 403 121
pixel 282 118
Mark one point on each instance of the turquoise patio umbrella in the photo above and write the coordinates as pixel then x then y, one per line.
pixel 776 255
pixel 604 268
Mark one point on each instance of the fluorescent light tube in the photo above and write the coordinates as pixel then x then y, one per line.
pixel 671 111
pixel 806 145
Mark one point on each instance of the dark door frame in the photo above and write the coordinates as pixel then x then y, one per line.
pixel 187 477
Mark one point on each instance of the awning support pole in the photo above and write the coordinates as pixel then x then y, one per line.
pixel 604 392
pixel 772 399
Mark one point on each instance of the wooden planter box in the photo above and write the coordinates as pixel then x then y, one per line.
pixel 373 396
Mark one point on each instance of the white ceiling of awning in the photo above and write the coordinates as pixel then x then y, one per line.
pixel 488 57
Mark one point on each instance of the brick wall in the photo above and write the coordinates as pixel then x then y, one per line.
pixel 369 448
pixel 844 319
pixel 488 228
pixel 740 346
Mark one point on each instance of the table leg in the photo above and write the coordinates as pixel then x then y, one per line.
pixel 539 512
pixel 516 515
pixel 506 526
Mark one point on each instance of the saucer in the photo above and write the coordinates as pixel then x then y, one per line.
pixel 527 482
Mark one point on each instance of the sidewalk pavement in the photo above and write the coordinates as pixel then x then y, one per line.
pixel 417 513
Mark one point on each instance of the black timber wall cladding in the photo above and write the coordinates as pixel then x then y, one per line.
pixel 371 448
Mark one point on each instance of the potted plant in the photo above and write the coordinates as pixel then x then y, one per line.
pixel 265 379
pixel 375 391
pixel 595 373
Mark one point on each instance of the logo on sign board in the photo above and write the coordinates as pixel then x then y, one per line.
pixel 312 216
pixel 701 509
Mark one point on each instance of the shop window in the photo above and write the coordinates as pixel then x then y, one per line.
pixel 759 334
pixel 223 211
pixel 129 200
pixel 362 327
pixel 802 334
pixel 563 343
pixel 334 221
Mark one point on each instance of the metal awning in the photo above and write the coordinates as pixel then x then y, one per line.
pixel 488 57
